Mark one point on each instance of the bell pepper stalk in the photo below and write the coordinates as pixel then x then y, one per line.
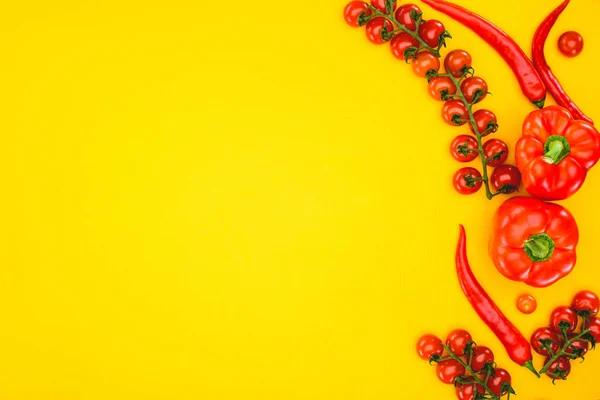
pixel 533 241
pixel 555 152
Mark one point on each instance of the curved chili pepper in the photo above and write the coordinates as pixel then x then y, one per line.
pixel 531 84
pixel 516 345
pixel 539 59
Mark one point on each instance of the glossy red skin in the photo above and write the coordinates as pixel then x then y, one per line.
pixel 539 60
pixel 452 108
pixel 459 180
pixel 586 301
pixel 380 5
pixel 466 391
pixel 545 180
pixel 561 362
pixel 448 370
pixel 353 10
pixel 471 144
pixel 481 356
pixel 505 175
pixel 492 147
pixel 457 60
pixel 543 334
pixel 430 32
pixel 425 62
pixel 403 16
pixel 570 43
pixel 516 220
pixel 495 382
pixel 526 303
pixel 437 85
pixel 400 43
pixel 457 340
pixel 429 345
pixel 471 85
pixel 563 314
pixel 529 80
pixel 578 344
pixel 374 28
pixel 514 342
pixel 594 326
pixel 482 119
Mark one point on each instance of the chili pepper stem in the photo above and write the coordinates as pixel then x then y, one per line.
pixel 563 351
pixel 529 366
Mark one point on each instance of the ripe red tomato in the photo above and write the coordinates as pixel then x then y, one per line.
pixel 545 334
pixel 481 356
pixel 472 87
pixel 457 340
pixel 485 119
pixel 497 149
pixel 594 326
pixel 430 32
pixel 506 177
pixel 455 113
pixel 496 381
pixel 563 314
pixel 526 303
pixel 403 15
pixel 467 180
pixel 464 148
pixel 570 43
pixel 440 85
pixel 380 5
pixel 448 370
pixel 428 345
pixel 455 61
pixel 579 347
pixel 400 43
pixel 353 10
pixel 374 28
pixel 586 302
pixel 559 369
pixel 466 390
pixel 424 62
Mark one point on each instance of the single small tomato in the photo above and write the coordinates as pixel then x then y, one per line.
pixel 428 346
pixel 353 10
pixel 457 341
pixel 559 369
pixel 455 113
pixel 594 326
pixel 448 370
pixel 570 43
pixel 578 347
pixel 402 42
pixel 486 122
pixel 403 16
pixel 375 27
pixel 496 152
pixel 564 315
pixel 466 390
pixel 481 356
pixel 497 380
pixel 424 62
pixel 455 61
pixel 586 303
pixel 506 178
pixel 430 32
pixel 380 5
pixel 464 148
pixel 441 85
pixel 467 180
pixel 474 89
pixel 545 335
pixel 526 303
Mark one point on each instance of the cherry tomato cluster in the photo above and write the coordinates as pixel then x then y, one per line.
pixel 470 368
pixel 571 332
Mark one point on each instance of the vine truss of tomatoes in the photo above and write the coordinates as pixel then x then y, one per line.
pixel 420 41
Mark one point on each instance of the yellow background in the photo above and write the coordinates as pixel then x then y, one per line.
pixel 244 200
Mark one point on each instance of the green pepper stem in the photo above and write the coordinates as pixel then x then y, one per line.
pixel 539 247
pixel 556 148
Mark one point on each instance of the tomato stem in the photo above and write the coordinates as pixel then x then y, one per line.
pixel 563 350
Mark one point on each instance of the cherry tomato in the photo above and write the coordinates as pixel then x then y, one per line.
pixel 467 180
pixel 448 370
pixel 559 369
pixel 441 84
pixel 545 334
pixel 579 347
pixel 457 340
pixel 507 178
pixel 594 326
pixel 466 390
pixel 496 381
pixel 380 5
pixel 400 43
pixel 455 61
pixel 485 119
pixel 586 302
pixel 526 303
pixel 481 356
pixel 428 345
pixel 374 28
pixel 454 112
pixel 471 86
pixel 353 10
pixel 464 148
pixel 570 43
pixel 403 15
pixel 430 32
pixel 497 148
pixel 563 313
pixel 425 62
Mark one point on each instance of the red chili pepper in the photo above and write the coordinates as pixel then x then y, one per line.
pixel 539 59
pixel 516 345
pixel 530 81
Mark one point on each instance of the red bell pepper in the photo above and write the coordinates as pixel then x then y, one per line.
pixel 533 241
pixel 555 153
